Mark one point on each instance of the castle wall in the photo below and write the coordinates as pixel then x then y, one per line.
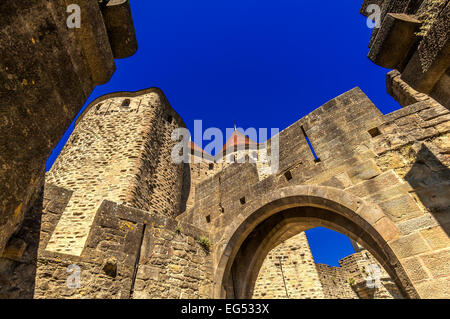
pixel 396 165
pixel 290 269
pixel 361 266
pixel 47 71
pixel 46 74
pixel 128 254
pixel 413 39
pixel 289 272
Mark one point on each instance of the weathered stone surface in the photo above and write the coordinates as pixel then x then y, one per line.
pixel 401 208
pixel 435 289
pixel 394 40
pixel 15 249
pixel 47 72
pixel 289 271
pixel 415 269
pixel 410 245
pixel 414 39
pixel 436 237
pixel 438 263
pixel 120 28
pixel 140 226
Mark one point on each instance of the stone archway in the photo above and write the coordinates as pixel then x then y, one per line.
pixel 285 212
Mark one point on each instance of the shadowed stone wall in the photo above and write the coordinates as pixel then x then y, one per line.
pixel 47 72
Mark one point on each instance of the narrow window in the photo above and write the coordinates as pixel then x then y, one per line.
pixel 374 132
pixel 208 219
pixel 316 159
pixel 211 166
pixel 242 200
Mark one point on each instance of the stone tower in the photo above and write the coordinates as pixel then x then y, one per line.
pixel 119 151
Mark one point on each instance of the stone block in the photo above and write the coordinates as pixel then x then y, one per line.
pixel 434 288
pixel 15 249
pixel 436 237
pixel 394 40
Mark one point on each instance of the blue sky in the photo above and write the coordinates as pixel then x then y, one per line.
pixel 263 64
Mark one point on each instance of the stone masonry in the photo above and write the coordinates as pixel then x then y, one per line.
pixel 289 272
pixel 118 218
pixel 133 235
pixel 47 72
pixel 414 40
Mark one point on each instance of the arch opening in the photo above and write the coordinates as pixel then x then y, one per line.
pixel 283 217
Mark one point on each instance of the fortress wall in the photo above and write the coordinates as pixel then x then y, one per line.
pixel 398 161
pixel 362 265
pixel 119 153
pixel 335 282
pixel 129 254
pixel 413 39
pixel 414 146
pixel 305 279
pixel 197 170
pixel 293 261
